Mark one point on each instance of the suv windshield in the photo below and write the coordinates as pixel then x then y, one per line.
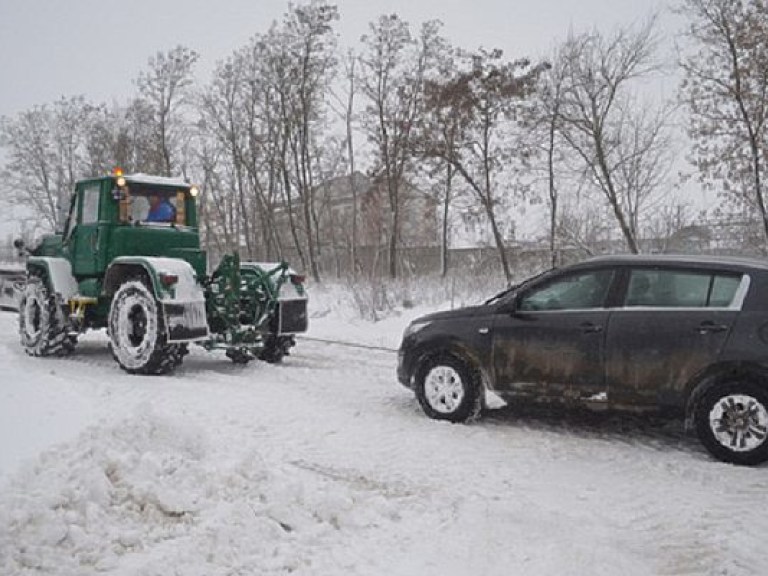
pixel 515 287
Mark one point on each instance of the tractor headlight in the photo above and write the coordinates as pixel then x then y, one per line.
pixel 194 191
pixel 117 172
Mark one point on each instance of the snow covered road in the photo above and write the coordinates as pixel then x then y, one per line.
pixel 326 466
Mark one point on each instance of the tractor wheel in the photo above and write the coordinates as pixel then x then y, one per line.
pixel 177 353
pixel 239 356
pixel 42 321
pixel 137 332
pixel 275 349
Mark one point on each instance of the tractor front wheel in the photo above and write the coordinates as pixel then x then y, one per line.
pixel 137 331
pixel 43 326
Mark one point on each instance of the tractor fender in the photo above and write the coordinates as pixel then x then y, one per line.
pixel 185 289
pixel 182 301
pixel 57 273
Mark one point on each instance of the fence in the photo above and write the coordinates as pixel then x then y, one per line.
pixel 423 261
pixel 373 261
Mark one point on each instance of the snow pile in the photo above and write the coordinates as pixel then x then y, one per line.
pixel 150 493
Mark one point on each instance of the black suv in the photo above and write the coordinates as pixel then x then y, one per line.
pixel 684 335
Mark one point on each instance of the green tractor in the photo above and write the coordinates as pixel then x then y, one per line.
pixel 129 260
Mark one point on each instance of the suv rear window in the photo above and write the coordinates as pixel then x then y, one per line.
pixel 681 289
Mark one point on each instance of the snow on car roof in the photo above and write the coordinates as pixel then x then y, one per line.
pixel 682 259
pixel 156 180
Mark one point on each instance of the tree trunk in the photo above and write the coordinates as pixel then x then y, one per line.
pixel 395 221
pixel 552 191
pixel 611 195
pixel 499 243
pixel 446 205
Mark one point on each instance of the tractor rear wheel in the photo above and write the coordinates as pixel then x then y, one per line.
pixel 137 332
pixel 239 356
pixel 275 348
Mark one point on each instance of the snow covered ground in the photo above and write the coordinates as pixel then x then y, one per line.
pixel 326 466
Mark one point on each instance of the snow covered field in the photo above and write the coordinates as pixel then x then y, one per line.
pixel 326 466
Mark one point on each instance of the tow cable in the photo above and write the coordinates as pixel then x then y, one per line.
pixel 348 344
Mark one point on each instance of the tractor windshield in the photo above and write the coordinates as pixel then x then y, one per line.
pixel 158 205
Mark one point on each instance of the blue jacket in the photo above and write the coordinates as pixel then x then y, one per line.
pixel 163 212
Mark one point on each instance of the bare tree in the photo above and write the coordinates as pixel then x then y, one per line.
pixel 582 228
pixel 263 142
pixel 439 122
pixel 345 110
pixel 223 118
pixel 165 87
pixel 622 142
pixel 29 175
pixel 309 39
pixel 106 140
pixel 672 222
pixel 490 101
pixel 394 68
pixel 47 154
pixel 548 138
pixel 726 91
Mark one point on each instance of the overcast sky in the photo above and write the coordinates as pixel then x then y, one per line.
pixel 54 48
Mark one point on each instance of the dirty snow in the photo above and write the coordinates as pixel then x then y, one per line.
pixel 326 466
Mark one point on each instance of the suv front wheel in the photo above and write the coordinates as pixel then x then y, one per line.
pixel 732 422
pixel 449 389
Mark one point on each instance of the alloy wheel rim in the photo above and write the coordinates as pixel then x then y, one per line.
pixel 444 389
pixel 739 422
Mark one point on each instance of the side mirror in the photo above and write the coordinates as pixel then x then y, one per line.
pixel 61 218
pixel 510 306
pixel 21 247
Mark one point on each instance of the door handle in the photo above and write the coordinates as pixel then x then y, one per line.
pixel 709 327
pixel 590 328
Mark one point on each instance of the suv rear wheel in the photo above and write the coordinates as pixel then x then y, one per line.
pixel 732 422
pixel 449 389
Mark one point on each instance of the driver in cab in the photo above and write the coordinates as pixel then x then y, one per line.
pixel 160 209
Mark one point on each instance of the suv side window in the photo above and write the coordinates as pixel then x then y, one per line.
pixel 681 289
pixel 723 291
pixel 574 292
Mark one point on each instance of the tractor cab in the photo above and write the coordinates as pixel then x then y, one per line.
pixel 136 215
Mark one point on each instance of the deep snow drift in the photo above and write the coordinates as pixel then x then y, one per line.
pixel 326 466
